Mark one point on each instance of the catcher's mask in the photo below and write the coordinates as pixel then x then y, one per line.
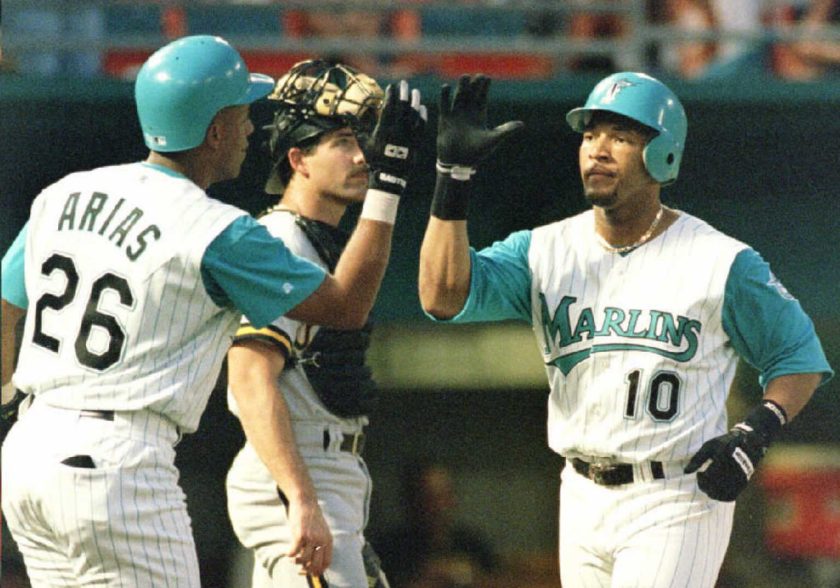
pixel 315 97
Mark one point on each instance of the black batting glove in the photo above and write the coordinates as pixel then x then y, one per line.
pixel 725 464
pixel 9 411
pixel 391 150
pixel 463 140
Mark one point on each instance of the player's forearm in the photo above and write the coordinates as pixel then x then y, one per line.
pixel 345 298
pixel 792 392
pixel 362 266
pixel 10 316
pixel 265 420
pixel 444 279
pixel 253 371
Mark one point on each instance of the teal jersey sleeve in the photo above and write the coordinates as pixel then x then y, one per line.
pixel 767 326
pixel 13 284
pixel 247 268
pixel 500 282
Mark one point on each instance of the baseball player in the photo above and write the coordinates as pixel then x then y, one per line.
pixel 134 282
pixel 303 392
pixel 640 312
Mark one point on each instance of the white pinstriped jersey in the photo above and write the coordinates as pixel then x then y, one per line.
pixel 120 315
pixel 291 337
pixel 635 350
pixel 124 260
pixel 641 349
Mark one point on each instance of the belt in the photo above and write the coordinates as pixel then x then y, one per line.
pixel 105 415
pixel 141 421
pixel 352 443
pixel 613 474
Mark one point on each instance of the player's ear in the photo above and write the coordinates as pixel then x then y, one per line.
pixel 213 136
pixel 216 131
pixel 297 161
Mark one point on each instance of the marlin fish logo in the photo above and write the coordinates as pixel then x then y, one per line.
pixel 617 87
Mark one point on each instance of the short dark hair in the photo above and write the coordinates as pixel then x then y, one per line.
pixel 284 168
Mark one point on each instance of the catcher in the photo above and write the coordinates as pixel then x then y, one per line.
pixel 298 491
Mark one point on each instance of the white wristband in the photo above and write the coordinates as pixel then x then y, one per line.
pixel 380 206
pixel 461 173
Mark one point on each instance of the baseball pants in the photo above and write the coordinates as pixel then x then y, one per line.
pixel 654 533
pixel 259 517
pixel 95 501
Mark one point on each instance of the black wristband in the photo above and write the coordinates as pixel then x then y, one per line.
pixel 451 198
pixel 766 419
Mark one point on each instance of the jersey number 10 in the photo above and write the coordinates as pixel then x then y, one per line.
pixel 662 399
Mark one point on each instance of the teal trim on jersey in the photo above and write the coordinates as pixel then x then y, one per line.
pixel 767 325
pixel 13 283
pixel 247 268
pixel 500 282
pixel 565 363
pixel 164 169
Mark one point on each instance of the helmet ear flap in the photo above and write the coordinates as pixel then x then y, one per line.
pixel 662 157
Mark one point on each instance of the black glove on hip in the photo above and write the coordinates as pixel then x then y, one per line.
pixel 725 464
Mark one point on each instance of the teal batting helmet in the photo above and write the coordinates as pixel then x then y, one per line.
pixel 182 86
pixel 648 101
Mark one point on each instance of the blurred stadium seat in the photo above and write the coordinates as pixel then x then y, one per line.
pixel 443 21
pixel 229 21
pixel 448 22
pixel 150 22
pixel 157 22
pixel 131 21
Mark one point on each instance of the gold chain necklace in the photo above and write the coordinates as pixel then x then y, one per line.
pixel 642 240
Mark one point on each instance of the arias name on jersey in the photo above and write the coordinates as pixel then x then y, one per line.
pixel 102 214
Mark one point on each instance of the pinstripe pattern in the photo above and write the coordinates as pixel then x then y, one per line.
pixel 152 353
pixel 566 262
pixel 176 335
pixel 123 523
pixel 653 534
pixel 640 366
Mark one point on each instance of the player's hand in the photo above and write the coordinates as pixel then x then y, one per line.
pixel 392 148
pixel 312 543
pixel 725 464
pixel 463 139
pixel 9 411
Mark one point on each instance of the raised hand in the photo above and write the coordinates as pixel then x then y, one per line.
pixel 391 150
pixel 463 138
pixel 463 141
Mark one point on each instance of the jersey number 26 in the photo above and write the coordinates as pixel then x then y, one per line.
pixel 93 317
